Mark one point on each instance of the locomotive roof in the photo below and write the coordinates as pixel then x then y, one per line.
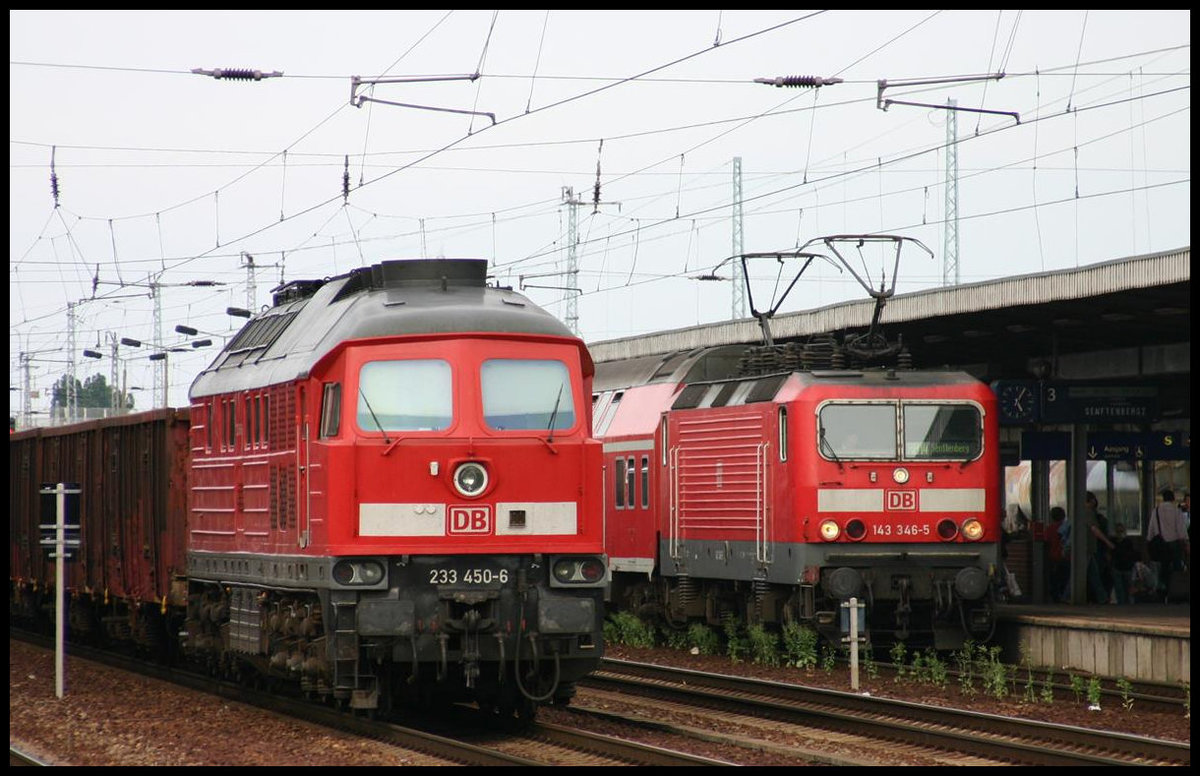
pixel 721 363
pixel 418 296
pixel 766 387
pixel 881 376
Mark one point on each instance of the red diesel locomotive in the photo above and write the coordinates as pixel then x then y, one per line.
pixel 775 483
pixel 393 496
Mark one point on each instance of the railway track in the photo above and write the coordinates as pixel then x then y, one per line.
pixel 18 757
pixel 1156 694
pixel 470 743
pixel 1000 739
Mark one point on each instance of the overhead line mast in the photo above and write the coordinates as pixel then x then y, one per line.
pixel 739 270
pixel 950 248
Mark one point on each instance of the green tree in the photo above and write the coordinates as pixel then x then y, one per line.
pixel 92 392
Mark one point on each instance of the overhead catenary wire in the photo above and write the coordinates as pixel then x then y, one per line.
pixel 837 175
pixel 537 110
pixel 1039 73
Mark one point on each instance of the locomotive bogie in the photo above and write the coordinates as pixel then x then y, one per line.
pixel 438 618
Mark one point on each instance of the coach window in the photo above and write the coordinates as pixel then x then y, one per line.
pixel 942 432
pixel 527 395
pixel 331 410
pixel 409 395
pixel 856 431
pixel 251 418
pixel 645 481
pixel 607 413
pixel 631 482
pixel 619 481
pixel 208 425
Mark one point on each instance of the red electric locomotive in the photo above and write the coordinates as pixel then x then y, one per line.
pixel 394 495
pixel 777 483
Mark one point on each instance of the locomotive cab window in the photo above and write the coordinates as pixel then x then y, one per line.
pixel 409 395
pixel 855 431
pixel 942 432
pixel 527 395
pixel 331 410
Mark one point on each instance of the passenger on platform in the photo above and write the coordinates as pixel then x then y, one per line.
pixel 1015 521
pixel 1060 568
pixel 1168 522
pixel 1145 584
pixel 1124 556
pixel 1064 535
pixel 1097 537
pixel 1009 529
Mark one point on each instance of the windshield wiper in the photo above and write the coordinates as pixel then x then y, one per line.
pixel 554 414
pixel 825 443
pixel 377 423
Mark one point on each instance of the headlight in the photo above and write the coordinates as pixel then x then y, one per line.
pixel 856 529
pixel 357 572
pixel 470 478
pixel 829 530
pixel 972 529
pixel 946 529
pixel 900 475
pixel 578 571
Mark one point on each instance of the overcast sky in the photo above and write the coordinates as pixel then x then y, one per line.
pixel 166 177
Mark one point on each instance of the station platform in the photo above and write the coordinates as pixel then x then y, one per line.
pixel 1148 642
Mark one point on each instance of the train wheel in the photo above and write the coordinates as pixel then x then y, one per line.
pixel 564 693
pixel 526 711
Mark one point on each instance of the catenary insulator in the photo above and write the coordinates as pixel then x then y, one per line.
pixel 798 81
pixel 237 74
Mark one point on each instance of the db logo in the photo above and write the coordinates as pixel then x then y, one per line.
pixel 903 500
pixel 470 520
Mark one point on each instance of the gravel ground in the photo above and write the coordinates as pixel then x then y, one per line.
pixel 111 717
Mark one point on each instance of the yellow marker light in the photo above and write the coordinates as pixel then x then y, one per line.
pixel 972 529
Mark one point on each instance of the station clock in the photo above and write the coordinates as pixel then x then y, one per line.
pixel 1019 400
